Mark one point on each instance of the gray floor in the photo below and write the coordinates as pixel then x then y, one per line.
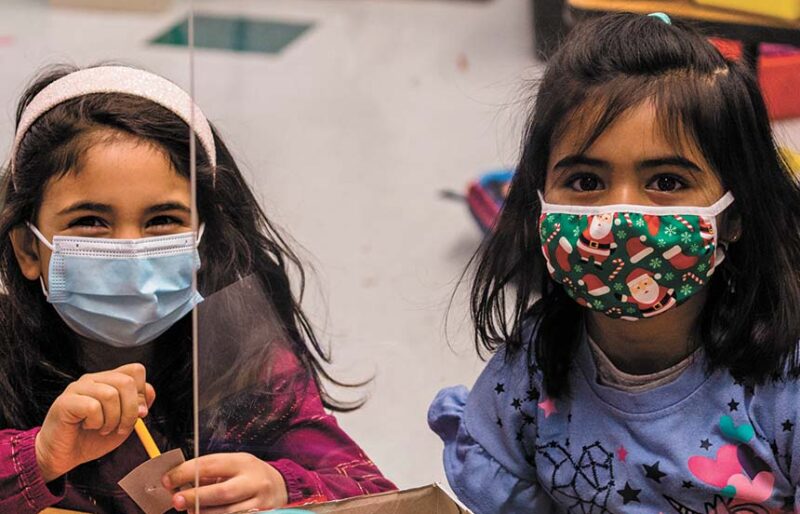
pixel 348 136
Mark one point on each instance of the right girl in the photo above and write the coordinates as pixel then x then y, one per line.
pixel 642 292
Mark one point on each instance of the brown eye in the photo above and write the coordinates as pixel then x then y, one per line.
pixel 667 183
pixel 585 183
pixel 163 220
pixel 87 221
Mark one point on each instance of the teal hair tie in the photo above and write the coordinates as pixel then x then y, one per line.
pixel 661 16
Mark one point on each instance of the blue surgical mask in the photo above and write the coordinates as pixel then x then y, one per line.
pixel 122 292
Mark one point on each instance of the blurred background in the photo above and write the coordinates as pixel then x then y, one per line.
pixel 370 130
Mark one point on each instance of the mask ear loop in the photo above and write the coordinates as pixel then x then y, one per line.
pixel 40 236
pixel 200 231
pixel 44 288
pixel 49 245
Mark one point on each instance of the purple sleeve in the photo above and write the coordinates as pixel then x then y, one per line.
pixel 22 488
pixel 319 461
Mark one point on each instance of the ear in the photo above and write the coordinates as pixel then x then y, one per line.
pixel 732 227
pixel 27 251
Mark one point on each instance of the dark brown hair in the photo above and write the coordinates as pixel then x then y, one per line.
pixel 606 67
pixel 37 355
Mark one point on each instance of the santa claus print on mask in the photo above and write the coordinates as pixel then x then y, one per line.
pixel 644 291
pixel 597 241
pixel 631 261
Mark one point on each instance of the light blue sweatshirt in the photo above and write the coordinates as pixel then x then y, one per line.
pixel 700 444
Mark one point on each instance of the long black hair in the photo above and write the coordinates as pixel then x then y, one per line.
pixel 38 354
pixel 751 321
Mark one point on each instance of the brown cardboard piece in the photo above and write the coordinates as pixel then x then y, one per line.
pixel 143 484
pixel 431 499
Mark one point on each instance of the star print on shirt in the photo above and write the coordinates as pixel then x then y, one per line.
pixel 516 403
pixel 527 419
pixel 733 405
pixel 787 425
pixel 687 484
pixel 532 394
pixel 705 444
pixel 499 422
pixel 629 494
pixel 548 406
pixel 500 388
pixel 653 473
pixel 622 453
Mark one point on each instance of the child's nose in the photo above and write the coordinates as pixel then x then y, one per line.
pixel 128 232
pixel 627 193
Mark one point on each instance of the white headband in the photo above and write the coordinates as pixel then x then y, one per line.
pixel 117 79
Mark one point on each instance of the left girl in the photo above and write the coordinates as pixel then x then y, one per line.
pixel 96 258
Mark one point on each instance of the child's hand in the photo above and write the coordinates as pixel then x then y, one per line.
pixel 92 417
pixel 230 482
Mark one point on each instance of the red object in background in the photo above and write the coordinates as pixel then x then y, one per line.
pixel 486 196
pixel 778 75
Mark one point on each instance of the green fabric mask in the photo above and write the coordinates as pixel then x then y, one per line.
pixel 631 261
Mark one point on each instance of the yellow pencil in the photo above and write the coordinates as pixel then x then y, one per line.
pixel 146 439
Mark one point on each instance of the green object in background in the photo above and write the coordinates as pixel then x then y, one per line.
pixel 234 34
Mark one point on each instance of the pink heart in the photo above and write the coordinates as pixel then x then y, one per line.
pixel 757 491
pixel 717 471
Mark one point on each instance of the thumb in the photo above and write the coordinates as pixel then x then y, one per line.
pixel 149 395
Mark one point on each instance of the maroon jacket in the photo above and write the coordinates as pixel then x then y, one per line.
pixel 316 458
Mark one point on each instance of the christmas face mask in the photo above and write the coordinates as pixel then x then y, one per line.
pixel 631 261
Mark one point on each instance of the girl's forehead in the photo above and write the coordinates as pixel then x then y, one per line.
pixel 636 131
pixel 119 171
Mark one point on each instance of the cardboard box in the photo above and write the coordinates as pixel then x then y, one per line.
pixel 431 499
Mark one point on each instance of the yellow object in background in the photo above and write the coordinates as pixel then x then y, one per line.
pixel 785 9
pixel 792 159
pixel 53 510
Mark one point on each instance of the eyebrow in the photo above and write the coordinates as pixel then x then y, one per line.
pixel 580 159
pixel 671 160
pixel 86 206
pixel 168 206
pixel 105 208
